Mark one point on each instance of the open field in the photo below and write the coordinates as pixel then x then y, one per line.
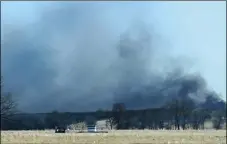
pixel 117 137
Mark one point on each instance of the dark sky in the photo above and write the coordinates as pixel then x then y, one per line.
pixel 72 60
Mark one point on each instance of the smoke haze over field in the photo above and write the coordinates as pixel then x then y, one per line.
pixel 77 56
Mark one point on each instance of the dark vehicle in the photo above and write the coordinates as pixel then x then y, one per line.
pixel 60 129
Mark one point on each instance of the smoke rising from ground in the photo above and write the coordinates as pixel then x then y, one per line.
pixel 73 59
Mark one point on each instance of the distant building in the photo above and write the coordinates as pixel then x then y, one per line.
pixel 91 128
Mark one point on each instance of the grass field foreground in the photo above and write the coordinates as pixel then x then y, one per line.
pixel 117 137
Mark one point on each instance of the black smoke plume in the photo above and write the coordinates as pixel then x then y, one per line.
pixel 72 59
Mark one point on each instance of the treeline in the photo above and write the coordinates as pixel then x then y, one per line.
pixel 176 115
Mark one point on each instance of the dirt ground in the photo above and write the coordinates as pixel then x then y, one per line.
pixel 117 137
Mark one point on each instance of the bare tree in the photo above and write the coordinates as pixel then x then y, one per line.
pixel 186 108
pixel 181 110
pixel 174 107
pixel 8 105
pixel 110 123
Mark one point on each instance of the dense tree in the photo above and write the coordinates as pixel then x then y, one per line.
pixel 174 109
pixel 52 119
pixel 90 120
pixel 118 111
pixel 186 108
pixel 100 114
pixel 217 118
pixel 198 117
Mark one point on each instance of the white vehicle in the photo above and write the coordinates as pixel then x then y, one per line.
pixel 91 128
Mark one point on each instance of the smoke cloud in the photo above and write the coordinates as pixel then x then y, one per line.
pixel 77 58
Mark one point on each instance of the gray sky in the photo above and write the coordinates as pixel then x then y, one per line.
pixel 193 31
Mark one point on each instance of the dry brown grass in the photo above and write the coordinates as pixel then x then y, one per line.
pixel 117 137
